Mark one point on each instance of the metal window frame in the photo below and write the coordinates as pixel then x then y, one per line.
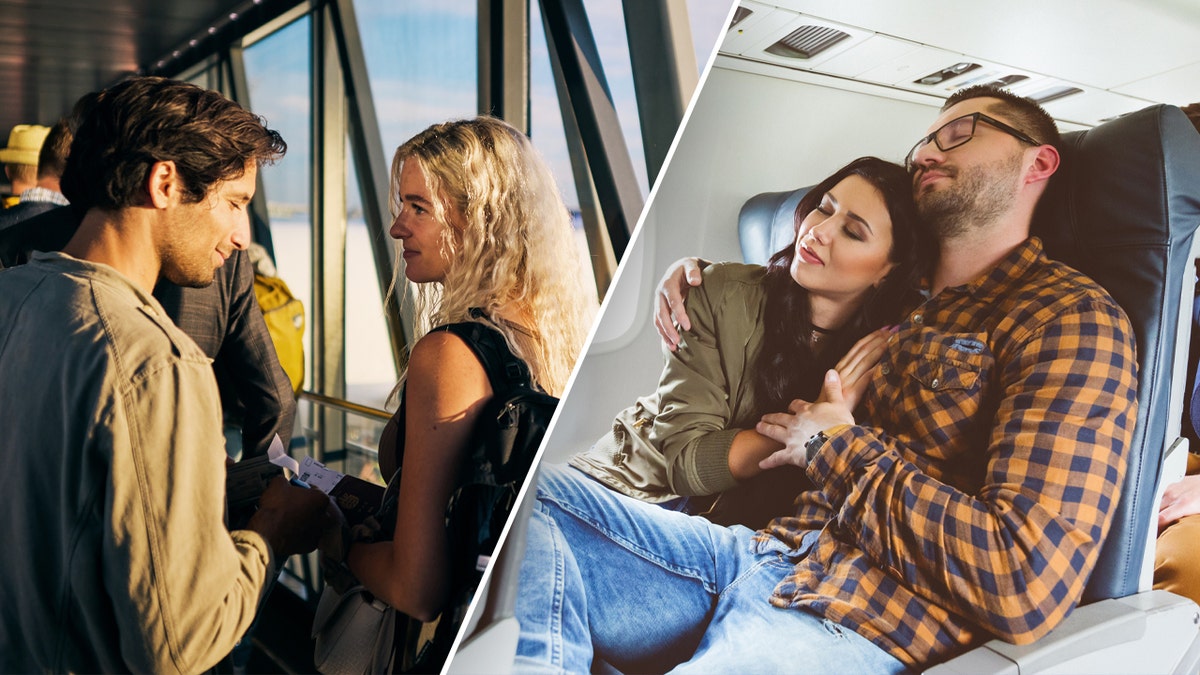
pixel 663 62
pixel 343 112
pixel 328 208
pixel 371 166
pixel 503 58
pixel 588 110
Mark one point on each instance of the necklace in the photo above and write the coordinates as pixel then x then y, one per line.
pixel 817 334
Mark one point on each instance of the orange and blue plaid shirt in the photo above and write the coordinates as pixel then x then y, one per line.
pixel 974 504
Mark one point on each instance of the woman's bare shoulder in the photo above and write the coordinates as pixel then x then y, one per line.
pixel 443 357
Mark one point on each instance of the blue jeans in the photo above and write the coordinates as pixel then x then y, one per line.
pixel 648 589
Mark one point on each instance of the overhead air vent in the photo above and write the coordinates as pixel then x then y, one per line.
pixel 1055 93
pixel 944 74
pixel 806 42
pixel 740 14
pixel 1005 81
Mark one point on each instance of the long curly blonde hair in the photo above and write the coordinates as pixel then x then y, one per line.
pixel 512 252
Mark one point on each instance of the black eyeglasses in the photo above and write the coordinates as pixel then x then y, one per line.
pixel 958 131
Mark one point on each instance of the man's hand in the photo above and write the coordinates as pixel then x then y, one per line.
pixel 794 428
pixel 672 291
pixel 858 363
pixel 1179 500
pixel 292 519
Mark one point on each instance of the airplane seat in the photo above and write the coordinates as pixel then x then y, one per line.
pixel 766 224
pixel 1122 208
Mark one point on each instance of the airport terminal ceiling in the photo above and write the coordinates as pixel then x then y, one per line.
pixel 53 51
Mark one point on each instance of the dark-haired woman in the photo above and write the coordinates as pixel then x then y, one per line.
pixel 761 337
pixel 619 578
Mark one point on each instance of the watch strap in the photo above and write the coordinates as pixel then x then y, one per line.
pixel 813 446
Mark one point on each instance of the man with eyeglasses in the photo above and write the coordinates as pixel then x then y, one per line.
pixel 969 498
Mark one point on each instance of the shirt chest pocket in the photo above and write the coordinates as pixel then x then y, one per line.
pixel 935 372
pixel 942 385
pixel 947 362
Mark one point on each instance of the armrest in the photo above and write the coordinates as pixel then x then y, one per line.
pixel 1151 632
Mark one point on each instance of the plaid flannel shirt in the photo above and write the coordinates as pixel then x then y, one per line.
pixel 975 504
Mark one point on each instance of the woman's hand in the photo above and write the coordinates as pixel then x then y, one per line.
pixel 855 367
pixel 671 292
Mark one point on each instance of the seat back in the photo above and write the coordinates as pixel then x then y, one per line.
pixel 1122 208
pixel 766 223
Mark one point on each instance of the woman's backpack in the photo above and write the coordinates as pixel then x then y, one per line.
pixel 502 448
pixel 353 630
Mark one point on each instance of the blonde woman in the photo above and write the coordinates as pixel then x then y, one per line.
pixel 485 237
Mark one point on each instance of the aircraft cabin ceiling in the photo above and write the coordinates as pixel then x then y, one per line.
pixel 54 51
pixel 1086 60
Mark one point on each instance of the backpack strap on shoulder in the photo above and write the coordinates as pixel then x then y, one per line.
pixel 504 370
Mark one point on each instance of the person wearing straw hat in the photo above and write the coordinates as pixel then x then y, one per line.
pixel 20 158
pixel 46 193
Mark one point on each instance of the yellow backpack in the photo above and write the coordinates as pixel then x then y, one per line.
pixel 284 315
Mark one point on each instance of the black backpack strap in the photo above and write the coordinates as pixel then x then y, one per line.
pixel 504 370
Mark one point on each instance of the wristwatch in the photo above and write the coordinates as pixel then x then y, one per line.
pixel 813 445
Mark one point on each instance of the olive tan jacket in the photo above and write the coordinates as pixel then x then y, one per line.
pixel 115 553
pixel 676 441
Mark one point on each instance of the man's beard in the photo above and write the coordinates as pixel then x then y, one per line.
pixel 183 266
pixel 189 278
pixel 977 198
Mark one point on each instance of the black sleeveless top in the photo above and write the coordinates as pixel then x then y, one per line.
pixel 391 440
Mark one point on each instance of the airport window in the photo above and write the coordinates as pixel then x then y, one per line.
pixel 421 56
pixel 370 368
pixel 421 60
pixel 421 64
pixel 278 78
pixel 612 43
pixel 707 20
pixel 548 135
